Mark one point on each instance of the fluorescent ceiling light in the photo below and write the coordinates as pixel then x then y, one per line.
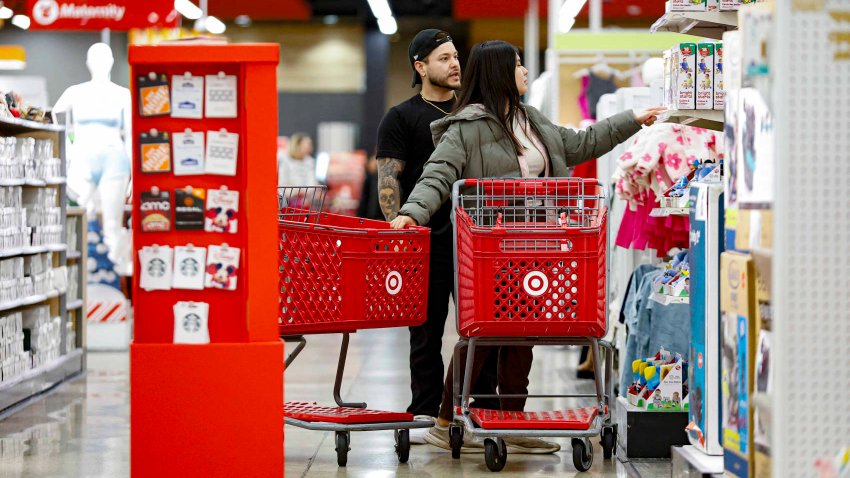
pixel 21 21
pixel 243 21
pixel 215 26
pixel 568 13
pixel 330 20
pixel 6 13
pixel 387 25
pixel 380 8
pixel 188 9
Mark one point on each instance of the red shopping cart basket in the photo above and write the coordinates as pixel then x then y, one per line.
pixel 341 274
pixel 530 257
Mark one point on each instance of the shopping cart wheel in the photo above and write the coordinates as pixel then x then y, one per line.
pixel 495 453
pixel 582 454
pixel 343 439
pixel 608 440
pixel 456 440
pixel 402 445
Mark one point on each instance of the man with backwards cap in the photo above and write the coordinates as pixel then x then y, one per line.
pixel 404 145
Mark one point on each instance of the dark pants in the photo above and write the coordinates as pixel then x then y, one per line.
pixel 514 365
pixel 426 340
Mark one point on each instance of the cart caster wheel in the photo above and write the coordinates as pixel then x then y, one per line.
pixel 343 439
pixel 456 440
pixel 608 442
pixel 402 445
pixel 495 453
pixel 582 454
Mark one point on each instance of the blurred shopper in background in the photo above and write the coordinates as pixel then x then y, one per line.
pixel 492 134
pixel 404 145
pixel 296 165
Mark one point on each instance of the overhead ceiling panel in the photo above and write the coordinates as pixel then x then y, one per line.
pixel 611 9
pixel 261 9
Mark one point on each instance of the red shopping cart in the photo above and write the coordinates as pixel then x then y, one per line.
pixel 530 258
pixel 339 274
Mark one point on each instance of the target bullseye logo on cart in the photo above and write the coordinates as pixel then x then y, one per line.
pixel 535 283
pixel 393 283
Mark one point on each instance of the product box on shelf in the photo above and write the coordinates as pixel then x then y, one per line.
pixel 719 91
pixel 687 5
pixel 705 76
pixel 685 84
pixel 712 5
pixel 738 324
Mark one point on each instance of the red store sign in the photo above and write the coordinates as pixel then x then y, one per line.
pixel 100 14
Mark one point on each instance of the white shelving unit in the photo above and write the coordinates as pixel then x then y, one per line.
pixel 669 211
pixel 708 119
pixel 702 24
pixel 71 360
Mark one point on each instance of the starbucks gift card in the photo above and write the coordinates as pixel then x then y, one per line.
pixel 155 207
pixel 222 267
pixel 189 262
pixel 191 323
pixel 189 209
pixel 156 267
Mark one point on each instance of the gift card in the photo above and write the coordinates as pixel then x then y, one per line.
pixel 191 323
pixel 189 262
pixel 222 267
pixel 156 152
pixel 222 153
pixel 187 96
pixel 189 209
pixel 188 153
pixel 222 211
pixel 155 207
pixel 221 96
pixel 154 99
pixel 156 267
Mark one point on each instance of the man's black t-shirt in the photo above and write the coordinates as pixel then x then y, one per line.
pixel 405 134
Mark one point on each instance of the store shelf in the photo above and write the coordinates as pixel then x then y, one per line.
pixel 688 458
pixel 32 182
pixel 74 254
pixel 30 250
pixel 40 379
pixel 670 211
pixel 669 299
pixel 13 182
pixel 54 181
pixel 708 119
pixel 702 24
pixel 74 305
pixel 17 125
pixel 31 300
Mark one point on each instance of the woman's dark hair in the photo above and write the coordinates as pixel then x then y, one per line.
pixel 489 78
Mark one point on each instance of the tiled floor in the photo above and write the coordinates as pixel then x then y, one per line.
pixel 82 428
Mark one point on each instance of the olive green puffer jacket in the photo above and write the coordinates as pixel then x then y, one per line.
pixel 472 144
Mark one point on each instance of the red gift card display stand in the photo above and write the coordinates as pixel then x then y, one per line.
pixel 207 377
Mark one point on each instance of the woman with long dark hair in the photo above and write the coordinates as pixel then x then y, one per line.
pixel 492 134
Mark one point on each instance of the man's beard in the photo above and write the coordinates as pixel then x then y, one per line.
pixel 442 82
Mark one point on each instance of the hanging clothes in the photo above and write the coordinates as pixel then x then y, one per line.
pixel 598 86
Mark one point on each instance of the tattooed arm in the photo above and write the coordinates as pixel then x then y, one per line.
pixel 389 190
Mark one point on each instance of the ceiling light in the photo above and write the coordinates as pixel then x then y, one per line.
pixel 6 13
pixel 215 26
pixel 21 21
pixel 188 9
pixel 330 20
pixel 242 21
pixel 568 13
pixel 387 25
pixel 380 9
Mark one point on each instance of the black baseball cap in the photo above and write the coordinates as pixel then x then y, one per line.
pixel 422 45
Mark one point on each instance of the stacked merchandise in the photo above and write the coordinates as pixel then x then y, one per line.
pixel 709 5
pixel 14 233
pixel 11 280
pixel 653 163
pixel 660 383
pixel 12 105
pixel 14 359
pixel 43 215
pixel 675 282
pixel 693 77
pixel 32 276
pixel 28 158
pixel 43 334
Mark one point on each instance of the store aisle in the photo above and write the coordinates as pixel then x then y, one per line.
pixel 82 428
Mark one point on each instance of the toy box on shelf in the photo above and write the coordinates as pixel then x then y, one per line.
pixel 659 383
pixel 205 341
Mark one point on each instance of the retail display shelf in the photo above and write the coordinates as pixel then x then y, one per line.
pixel 701 24
pixel 669 299
pixel 12 182
pixel 688 458
pixel 40 379
pixel 26 126
pixel 669 211
pixel 74 305
pixel 74 254
pixel 708 119
pixel 54 181
pixel 31 300
pixel 30 250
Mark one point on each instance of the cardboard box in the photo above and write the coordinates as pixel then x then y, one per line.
pixel 719 91
pixel 762 466
pixel 730 5
pixel 738 346
pixel 704 76
pixel 712 5
pixel 685 84
pixel 687 5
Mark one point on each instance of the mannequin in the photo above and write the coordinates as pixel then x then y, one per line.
pixel 97 117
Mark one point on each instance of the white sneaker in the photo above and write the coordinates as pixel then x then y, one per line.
pixel 417 435
pixel 439 437
pixel 533 446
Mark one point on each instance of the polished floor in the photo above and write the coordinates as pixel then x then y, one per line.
pixel 81 429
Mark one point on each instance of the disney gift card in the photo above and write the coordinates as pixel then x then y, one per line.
pixel 222 267
pixel 222 211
